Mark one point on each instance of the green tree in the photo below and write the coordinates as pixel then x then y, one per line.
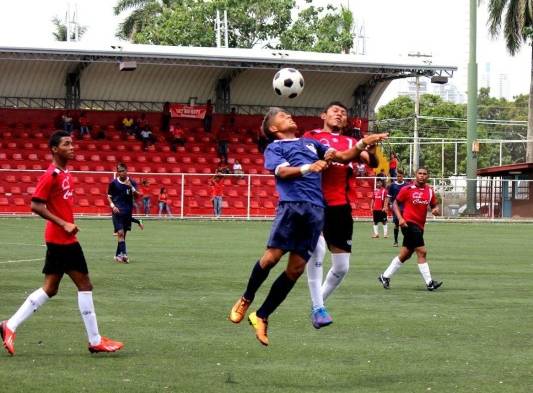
pixel 60 33
pixel 250 23
pixel 320 30
pixel 516 18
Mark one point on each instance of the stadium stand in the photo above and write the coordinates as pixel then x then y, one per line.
pixel 24 147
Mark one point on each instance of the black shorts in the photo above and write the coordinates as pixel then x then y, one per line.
pixel 395 219
pixel 413 236
pixel 379 216
pixel 62 258
pixel 122 221
pixel 338 227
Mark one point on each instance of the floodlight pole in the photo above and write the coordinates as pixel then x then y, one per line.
pixel 416 145
pixel 471 130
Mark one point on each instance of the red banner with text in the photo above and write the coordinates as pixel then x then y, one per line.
pixel 189 111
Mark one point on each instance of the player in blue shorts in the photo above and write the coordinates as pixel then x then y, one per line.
pixel 296 163
pixel 120 193
pixel 393 191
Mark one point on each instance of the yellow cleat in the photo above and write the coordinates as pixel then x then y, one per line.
pixel 238 311
pixel 260 325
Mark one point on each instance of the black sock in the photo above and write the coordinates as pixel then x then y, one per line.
pixel 134 220
pixel 121 249
pixel 278 292
pixel 396 231
pixel 257 277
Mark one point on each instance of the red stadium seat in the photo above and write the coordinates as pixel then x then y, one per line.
pixel 19 201
pixel 83 203
pixel 26 179
pixel 17 156
pixel 100 203
pixel 94 191
pixel 11 179
pixel 4 201
pixel 15 190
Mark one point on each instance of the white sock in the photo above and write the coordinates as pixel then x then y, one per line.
pixel 393 267
pixel 340 263
pixel 86 306
pixel 385 230
pixel 314 273
pixel 376 231
pixel 35 300
pixel 424 271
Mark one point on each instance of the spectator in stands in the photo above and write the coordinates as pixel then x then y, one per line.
pixel 147 137
pixel 222 169
pixel 237 169
pixel 216 185
pixel 128 125
pixel 66 119
pixel 208 118
pixel 84 124
pixel 393 165
pixel 177 136
pixel 222 144
pixel 163 202
pixel 361 169
pixel 145 192
pixel 99 132
pixel 382 175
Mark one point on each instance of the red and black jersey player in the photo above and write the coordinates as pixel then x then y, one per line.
pixel 416 198
pixel 53 201
pixel 338 225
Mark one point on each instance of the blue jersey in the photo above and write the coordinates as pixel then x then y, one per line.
pixel 122 195
pixel 294 153
pixel 394 190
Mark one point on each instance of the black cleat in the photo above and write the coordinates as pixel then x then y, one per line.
pixel 384 281
pixel 433 285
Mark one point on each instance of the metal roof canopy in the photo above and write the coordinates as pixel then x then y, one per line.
pixel 246 70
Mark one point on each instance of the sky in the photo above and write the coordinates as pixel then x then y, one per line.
pixel 437 27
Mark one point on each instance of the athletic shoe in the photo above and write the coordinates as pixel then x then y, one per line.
pixel 384 281
pixel 433 285
pixel 260 325
pixel 105 345
pixel 141 225
pixel 8 337
pixel 125 259
pixel 375 236
pixel 395 244
pixel 385 237
pixel 118 258
pixel 238 311
pixel 320 318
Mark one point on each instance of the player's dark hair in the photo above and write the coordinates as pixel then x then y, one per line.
pixel 422 167
pixel 122 167
pixel 335 103
pixel 265 125
pixel 400 172
pixel 55 139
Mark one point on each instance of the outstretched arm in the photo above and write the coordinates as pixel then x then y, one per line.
pixel 364 145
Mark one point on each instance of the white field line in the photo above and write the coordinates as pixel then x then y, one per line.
pixel 21 260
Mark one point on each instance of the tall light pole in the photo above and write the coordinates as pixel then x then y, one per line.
pixel 416 142
pixel 471 125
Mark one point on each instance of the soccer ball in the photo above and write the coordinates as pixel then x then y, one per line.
pixel 288 82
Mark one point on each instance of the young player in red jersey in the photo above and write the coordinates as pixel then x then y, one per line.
pixel 379 208
pixel 53 200
pixel 415 198
pixel 338 225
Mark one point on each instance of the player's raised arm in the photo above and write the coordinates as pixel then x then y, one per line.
pixel 365 144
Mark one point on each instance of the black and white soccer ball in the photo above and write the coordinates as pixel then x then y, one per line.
pixel 288 82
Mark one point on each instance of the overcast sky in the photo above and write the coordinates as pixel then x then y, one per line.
pixel 439 27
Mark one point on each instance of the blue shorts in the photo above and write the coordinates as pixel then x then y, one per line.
pixel 122 221
pixel 296 228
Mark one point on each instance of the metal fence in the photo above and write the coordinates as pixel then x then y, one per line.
pixel 254 196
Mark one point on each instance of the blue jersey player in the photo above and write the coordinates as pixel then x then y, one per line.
pixel 296 163
pixel 120 193
pixel 393 191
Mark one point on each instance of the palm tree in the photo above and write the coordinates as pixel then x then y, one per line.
pixel 143 12
pixel 516 16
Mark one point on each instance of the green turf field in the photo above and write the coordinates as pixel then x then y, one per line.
pixel 169 306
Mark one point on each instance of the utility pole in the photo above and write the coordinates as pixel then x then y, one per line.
pixel 471 129
pixel 416 142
